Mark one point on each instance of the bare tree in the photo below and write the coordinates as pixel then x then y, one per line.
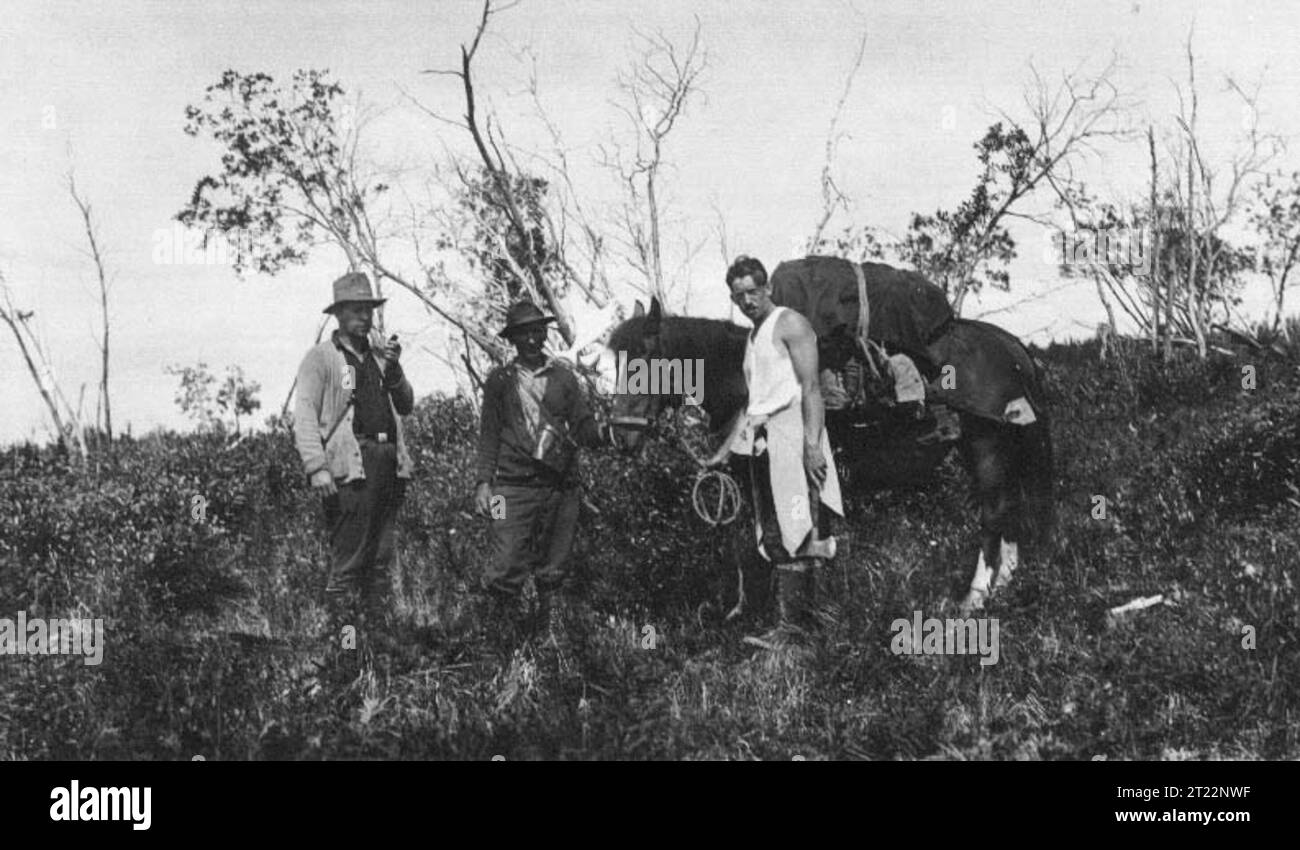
pixel 1277 219
pixel 654 90
pixel 594 253
pixel 1153 208
pixel 1100 245
pixel 293 178
pixel 1189 286
pixel 832 198
pixel 1066 123
pixel 504 180
pixel 1209 196
pixel 968 248
pixel 101 275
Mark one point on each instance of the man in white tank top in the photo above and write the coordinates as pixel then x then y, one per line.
pixel 782 426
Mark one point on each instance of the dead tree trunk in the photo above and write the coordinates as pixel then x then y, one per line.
pixel 102 277
pixel 69 429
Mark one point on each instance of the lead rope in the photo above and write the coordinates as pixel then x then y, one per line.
pixel 727 507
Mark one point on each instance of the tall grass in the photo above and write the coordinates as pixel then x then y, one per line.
pixel 214 627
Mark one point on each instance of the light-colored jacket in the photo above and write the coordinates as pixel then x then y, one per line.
pixel 321 399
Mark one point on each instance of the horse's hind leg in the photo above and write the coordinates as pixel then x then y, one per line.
pixel 987 462
pixel 979 590
pixel 1013 512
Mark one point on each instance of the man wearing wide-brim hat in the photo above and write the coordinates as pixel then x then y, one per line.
pixel 351 397
pixel 534 419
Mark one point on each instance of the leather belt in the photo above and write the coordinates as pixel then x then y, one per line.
pixel 381 437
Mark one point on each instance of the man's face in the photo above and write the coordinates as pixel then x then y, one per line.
pixel 753 300
pixel 529 339
pixel 355 317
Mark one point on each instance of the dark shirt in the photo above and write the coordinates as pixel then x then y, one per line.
pixel 505 446
pixel 372 414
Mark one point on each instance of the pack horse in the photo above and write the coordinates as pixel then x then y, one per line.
pixel 904 382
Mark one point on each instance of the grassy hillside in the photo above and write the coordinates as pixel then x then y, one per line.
pixel 211 626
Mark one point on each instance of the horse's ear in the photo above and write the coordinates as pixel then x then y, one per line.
pixel 652 319
pixel 638 310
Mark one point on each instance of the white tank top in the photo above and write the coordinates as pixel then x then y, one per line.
pixel 769 372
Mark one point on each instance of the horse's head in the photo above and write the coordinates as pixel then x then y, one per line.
pixel 667 361
pixel 634 414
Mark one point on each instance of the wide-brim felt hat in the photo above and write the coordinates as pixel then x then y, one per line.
pixel 521 315
pixel 353 286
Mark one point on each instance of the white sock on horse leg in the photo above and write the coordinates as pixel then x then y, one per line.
pixel 1009 560
pixel 979 584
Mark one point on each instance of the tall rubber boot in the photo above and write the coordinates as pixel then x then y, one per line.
pixel 794 616
pixel 822 608
pixel 796 588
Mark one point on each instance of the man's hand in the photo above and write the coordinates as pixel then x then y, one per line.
pixel 391 350
pixel 814 464
pixel 483 499
pixel 323 483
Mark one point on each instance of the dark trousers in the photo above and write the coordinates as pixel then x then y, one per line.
pixel 361 521
pixel 534 535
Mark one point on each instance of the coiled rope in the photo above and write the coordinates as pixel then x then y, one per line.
pixel 726 507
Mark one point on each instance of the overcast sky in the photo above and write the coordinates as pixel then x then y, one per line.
pixel 103 86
